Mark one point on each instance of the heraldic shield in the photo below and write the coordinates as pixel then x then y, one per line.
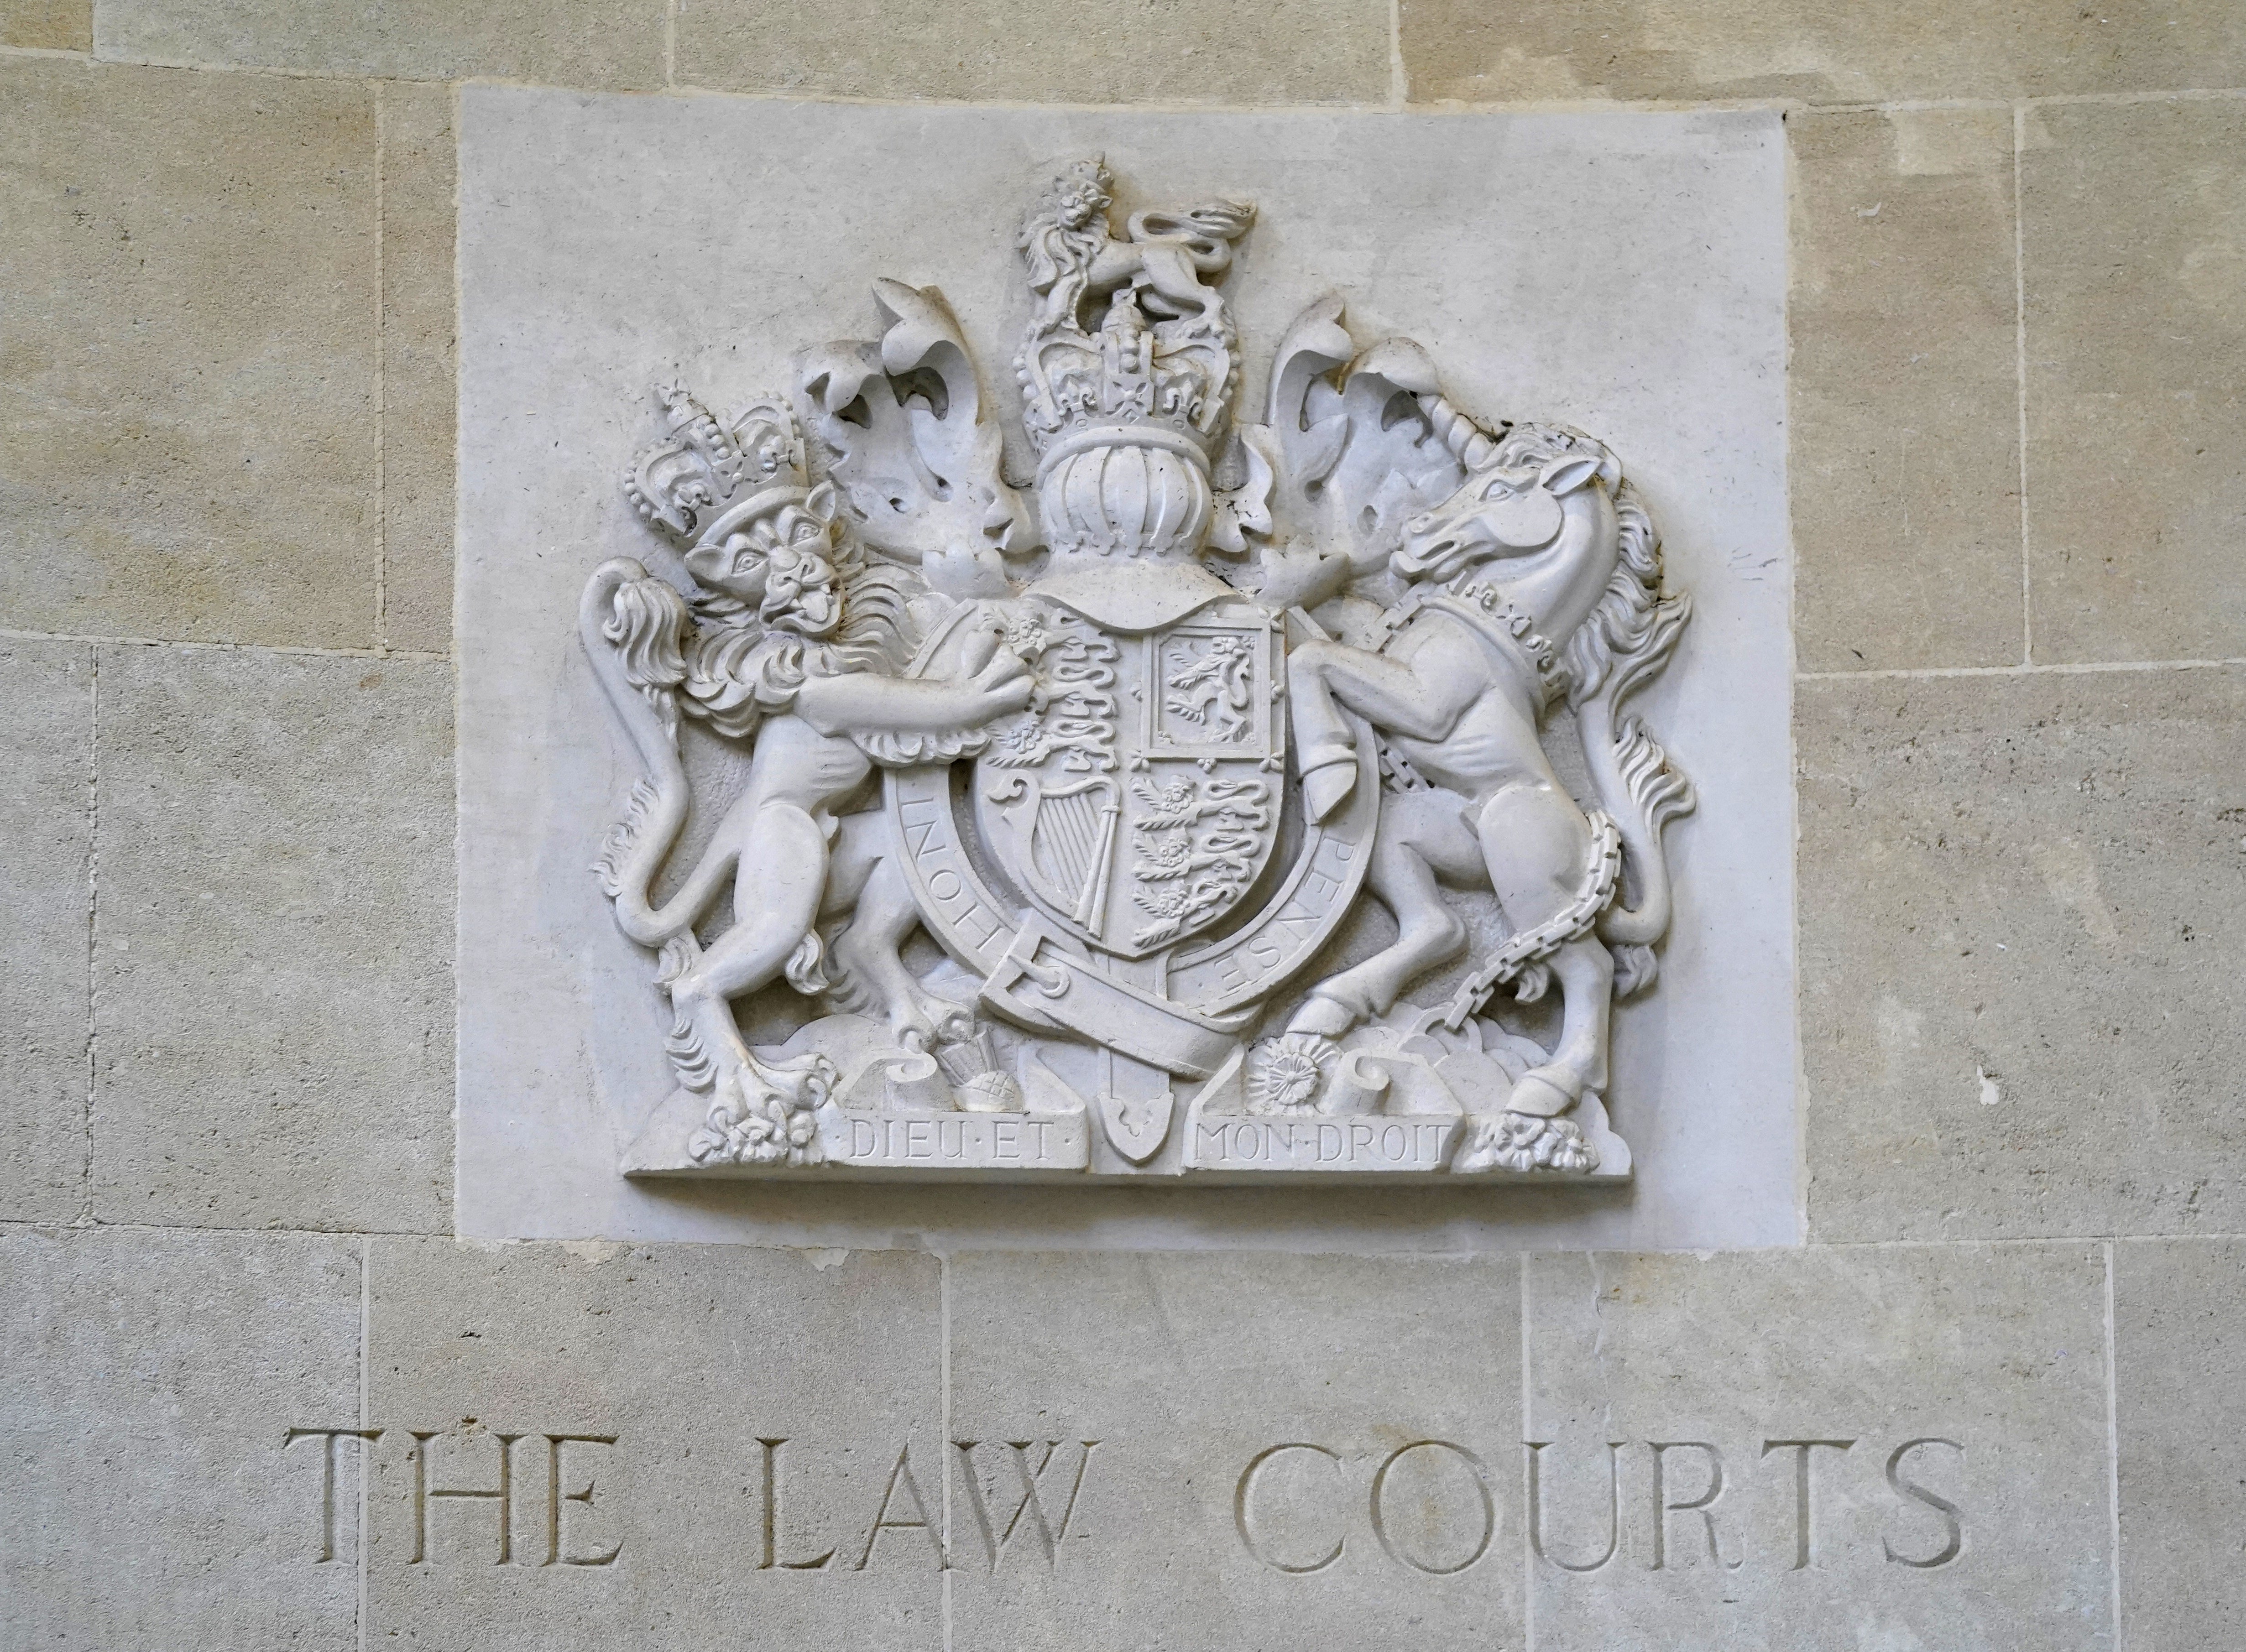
pixel 1110 864
pixel 1139 803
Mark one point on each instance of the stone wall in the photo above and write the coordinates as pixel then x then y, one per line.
pixel 1995 1401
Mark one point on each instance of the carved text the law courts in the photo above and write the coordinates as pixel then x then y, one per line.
pixel 1299 1507
pixel 1035 834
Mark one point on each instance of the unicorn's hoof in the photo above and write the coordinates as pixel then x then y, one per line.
pixel 1325 790
pixel 1535 1094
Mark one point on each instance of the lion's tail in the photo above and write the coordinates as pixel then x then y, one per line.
pixel 1222 220
pixel 635 628
pixel 1210 229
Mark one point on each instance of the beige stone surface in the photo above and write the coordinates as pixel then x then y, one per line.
pixel 274 940
pixel 187 355
pixel 1904 459
pixel 687 1357
pixel 47 26
pixel 147 1383
pixel 2020 950
pixel 417 349
pixel 47 847
pixel 2133 222
pixel 1186 1370
pixel 614 45
pixel 2180 1388
pixel 1813 49
pixel 1720 1360
pixel 1104 51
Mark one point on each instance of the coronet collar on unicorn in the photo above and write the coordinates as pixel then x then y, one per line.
pixel 1485 609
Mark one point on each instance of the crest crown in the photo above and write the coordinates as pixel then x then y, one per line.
pixel 1128 367
pixel 711 476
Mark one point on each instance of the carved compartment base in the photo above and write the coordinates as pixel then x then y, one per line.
pixel 1387 1109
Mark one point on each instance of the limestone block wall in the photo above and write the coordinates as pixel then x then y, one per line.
pixel 253 1394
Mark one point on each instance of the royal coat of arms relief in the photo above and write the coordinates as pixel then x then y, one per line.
pixel 1227 800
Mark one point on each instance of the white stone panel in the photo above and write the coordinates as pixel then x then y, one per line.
pixel 1613 271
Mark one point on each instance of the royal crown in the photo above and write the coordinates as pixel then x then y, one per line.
pixel 1126 413
pixel 705 478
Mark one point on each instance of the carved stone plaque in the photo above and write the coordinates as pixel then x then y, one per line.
pixel 1144 715
pixel 1096 714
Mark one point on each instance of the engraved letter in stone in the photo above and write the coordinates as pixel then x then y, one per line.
pixel 1049 1538
pixel 423 1494
pixel 1394 1551
pixel 1702 1505
pixel 1952 1516
pixel 1803 1521
pixel 771 1522
pixel 328 1473
pixel 1243 1510
pixel 557 1545
pixel 901 1475
pixel 1536 1508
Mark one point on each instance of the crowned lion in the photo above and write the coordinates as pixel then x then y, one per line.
pixel 1072 254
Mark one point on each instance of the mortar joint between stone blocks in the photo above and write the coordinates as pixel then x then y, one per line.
pixel 63 52
pixel 1399 77
pixel 381 381
pixel 944 1442
pixel 85 1218
pixel 2112 1450
pixel 307 650
pixel 1784 106
pixel 1527 1345
pixel 2020 381
pixel 365 1479
pixel 2070 667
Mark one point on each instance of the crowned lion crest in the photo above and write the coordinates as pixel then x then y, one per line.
pixel 1184 806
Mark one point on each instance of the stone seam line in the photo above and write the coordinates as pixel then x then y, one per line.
pixel 2020 378
pixel 1801 1229
pixel 361 1456
pixel 944 1445
pixel 1399 77
pixel 381 381
pixel 291 649
pixel 86 1217
pixel 1409 106
pixel 1527 1555
pixel 2072 668
pixel 2113 1451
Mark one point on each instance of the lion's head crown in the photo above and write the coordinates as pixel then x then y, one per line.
pixel 704 477
pixel 1074 202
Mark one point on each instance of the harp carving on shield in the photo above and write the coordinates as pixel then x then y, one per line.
pixel 1072 848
